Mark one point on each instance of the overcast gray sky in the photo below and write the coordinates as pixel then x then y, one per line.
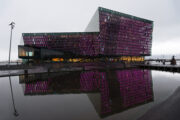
pixel 74 15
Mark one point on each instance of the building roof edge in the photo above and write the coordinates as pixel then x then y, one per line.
pixel 124 15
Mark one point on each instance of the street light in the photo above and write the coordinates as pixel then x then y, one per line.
pixel 12 24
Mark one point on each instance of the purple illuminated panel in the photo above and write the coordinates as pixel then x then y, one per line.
pixel 76 43
pixel 117 34
pixel 122 35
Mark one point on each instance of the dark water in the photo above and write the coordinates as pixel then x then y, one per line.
pixel 89 95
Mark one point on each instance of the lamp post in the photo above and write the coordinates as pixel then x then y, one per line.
pixel 12 24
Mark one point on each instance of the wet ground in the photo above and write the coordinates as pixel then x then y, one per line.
pixel 127 94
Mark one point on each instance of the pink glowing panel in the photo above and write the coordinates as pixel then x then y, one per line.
pixel 116 34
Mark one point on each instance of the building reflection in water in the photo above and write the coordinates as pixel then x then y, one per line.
pixel 109 91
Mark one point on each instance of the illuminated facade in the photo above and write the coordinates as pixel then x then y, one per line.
pixel 109 34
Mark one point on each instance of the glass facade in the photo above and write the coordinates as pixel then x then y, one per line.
pixel 75 43
pixel 109 33
pixel 27 51
pixel 122 34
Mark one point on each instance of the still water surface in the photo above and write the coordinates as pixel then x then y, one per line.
pixel 88 95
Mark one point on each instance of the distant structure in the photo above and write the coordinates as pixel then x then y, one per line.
pixel 110 34
pixel 173 61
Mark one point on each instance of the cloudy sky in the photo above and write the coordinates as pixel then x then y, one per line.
pixel 74 15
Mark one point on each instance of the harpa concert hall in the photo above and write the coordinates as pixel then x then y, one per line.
pixel 110 35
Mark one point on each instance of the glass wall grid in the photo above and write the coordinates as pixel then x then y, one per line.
pixel 119 35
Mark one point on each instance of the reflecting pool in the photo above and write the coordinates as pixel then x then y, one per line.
pixel 126 94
